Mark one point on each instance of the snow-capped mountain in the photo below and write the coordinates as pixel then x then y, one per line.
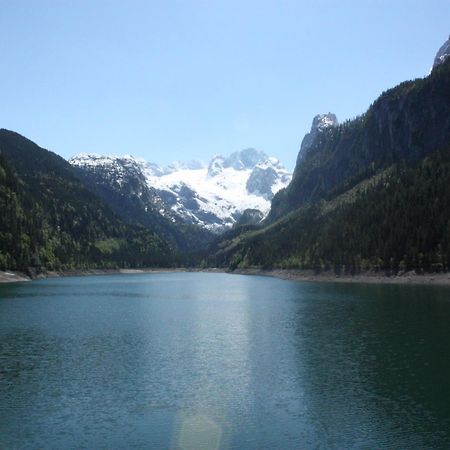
pixel 213 196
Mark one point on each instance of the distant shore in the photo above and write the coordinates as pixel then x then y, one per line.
pixel 368 277
pixel 284 274
pixel 11 276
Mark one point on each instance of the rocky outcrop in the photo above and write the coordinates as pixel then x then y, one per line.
pixel 261 181
pixel 320 124
pixel 442 54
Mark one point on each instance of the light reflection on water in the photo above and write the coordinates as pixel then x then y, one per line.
pixel 198 360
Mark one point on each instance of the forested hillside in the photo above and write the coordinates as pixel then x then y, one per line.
pixel 370 194
pixel 407 123
pixel 400 220
pixel 49 220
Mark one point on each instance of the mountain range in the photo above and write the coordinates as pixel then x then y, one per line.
pixel 212 196
pixel 371 193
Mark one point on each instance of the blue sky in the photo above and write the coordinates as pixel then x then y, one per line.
pixel 168 80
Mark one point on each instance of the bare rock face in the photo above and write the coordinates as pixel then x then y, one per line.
pixel 442 54
pixel 321 123
pixel 250 217
pixel 261 181
pixel 267 177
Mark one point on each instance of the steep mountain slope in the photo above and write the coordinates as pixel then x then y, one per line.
pixel 406 122
pixel 372 193
pixel 49 219
pixel 212 197
pixel 398 220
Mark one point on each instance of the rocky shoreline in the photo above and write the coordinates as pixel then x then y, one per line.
pixel 13 277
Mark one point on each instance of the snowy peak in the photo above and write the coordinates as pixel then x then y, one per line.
pixel 117 169
pixel 245 159
pixel 94 159
pixel 442 54
pixel 118 164
pixel 320 124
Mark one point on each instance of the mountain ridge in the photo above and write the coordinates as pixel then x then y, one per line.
pixel 369 194
pixel 358 148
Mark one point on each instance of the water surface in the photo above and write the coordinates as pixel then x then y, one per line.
pixel 203 361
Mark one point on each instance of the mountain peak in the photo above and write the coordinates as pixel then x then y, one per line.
pixel 246 159
pixel 442 54
pixel 320 123
pixel 323 121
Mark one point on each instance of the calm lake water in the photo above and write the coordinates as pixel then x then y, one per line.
pixel 208 361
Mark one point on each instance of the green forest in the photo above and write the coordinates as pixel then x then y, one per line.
pixel 397 221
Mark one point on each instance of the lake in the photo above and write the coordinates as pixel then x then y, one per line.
pixel 217 361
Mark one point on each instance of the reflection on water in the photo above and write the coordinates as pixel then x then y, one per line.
pixel 209 361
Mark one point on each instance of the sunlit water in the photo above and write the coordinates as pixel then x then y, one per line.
pixel 205 361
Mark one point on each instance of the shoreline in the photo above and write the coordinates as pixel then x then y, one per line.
pixel 438 279
pixel 12 276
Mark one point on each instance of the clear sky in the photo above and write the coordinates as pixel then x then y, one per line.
pixel 167 80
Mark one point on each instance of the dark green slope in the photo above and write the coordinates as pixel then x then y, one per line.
pixel 372 194
pixel 399 220
pixel 407 122
pixel 50 220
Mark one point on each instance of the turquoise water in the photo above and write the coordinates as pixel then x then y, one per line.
pixel 208 361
